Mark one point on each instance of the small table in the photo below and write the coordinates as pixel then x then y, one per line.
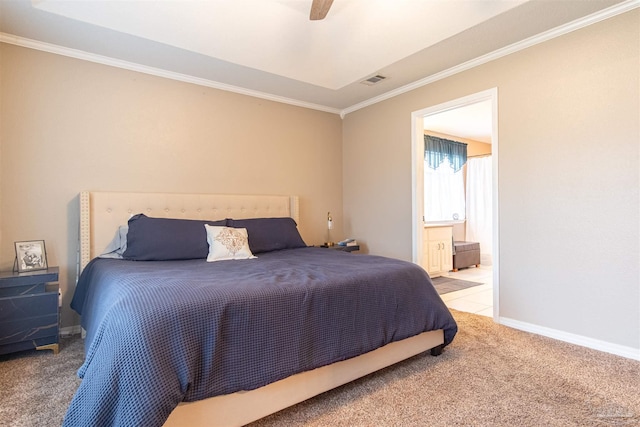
pixel 29 315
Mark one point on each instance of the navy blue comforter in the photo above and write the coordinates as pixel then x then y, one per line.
pixel 162 332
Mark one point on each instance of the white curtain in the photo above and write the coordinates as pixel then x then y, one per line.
pixel 443 193
pixel 479 206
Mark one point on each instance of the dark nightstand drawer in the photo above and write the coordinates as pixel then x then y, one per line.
pixel 12 291
pixel 29 310
pixel 26 306
pixel 29 329
pixel 26 283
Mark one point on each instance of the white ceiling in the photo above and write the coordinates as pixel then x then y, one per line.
pixel 472 121
pixel 277 36
pixel 270 48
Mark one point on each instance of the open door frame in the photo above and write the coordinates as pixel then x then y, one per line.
pixel 417 178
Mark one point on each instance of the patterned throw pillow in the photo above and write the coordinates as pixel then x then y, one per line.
pixel 227 243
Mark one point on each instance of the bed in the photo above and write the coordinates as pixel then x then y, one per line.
pixel 189 342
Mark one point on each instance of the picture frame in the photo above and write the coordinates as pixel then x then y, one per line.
pixel 31 255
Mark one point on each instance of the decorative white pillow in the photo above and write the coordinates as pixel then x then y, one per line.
pixel 227 243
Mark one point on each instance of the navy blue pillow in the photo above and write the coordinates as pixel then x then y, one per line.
pixel 163 239
pixel 269 234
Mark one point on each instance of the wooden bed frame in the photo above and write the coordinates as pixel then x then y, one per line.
pixel 102 212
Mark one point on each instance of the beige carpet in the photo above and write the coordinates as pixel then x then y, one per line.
pixel 36 386
pixel 490 375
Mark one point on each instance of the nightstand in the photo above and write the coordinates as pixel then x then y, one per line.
pixel 29 312
pixel 342 248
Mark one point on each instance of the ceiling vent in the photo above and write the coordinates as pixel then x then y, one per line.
pixel 373 80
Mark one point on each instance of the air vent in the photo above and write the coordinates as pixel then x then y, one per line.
pixel 373 80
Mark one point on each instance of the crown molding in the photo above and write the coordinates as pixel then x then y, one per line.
pixel 131 66
pixel 515 47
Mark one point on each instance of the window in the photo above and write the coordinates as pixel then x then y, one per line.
pixel 444 198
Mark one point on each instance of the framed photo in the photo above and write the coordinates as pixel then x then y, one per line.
pixel 31 256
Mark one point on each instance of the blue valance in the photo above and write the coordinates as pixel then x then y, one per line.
pixel 437 149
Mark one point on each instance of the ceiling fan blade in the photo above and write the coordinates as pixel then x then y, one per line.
pixel 319 9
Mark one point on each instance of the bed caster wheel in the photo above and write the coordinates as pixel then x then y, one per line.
pixel 437 351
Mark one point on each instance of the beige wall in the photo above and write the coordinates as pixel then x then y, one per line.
pixel 569 126
pixel 68 125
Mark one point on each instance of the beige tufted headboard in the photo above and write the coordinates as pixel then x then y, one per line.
pixel 101 213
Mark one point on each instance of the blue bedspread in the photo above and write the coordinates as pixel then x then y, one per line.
pixel 162 332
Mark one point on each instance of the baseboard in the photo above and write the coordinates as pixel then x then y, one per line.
pixel 70 330
pixel 607 347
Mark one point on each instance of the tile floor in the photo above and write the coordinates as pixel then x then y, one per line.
pixel 478 299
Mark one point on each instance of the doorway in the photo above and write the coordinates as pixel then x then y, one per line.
pixel 417 119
